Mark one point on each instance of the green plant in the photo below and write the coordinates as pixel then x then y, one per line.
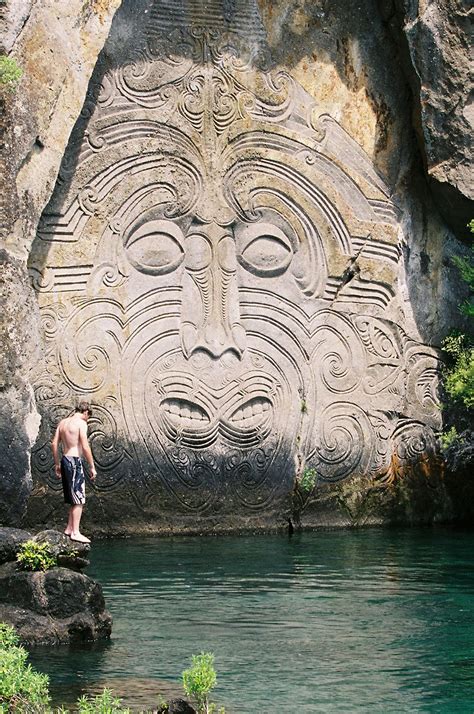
pixel 8 636
pixel 104 703
pixel 163 705
pixel 10 73
pixel 466 268
pixel 199 679
pixel 35 556
pixel 308 479
pixel 448 438
pixel 21 688
pixel 459 377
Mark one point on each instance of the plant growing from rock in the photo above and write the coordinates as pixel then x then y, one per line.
pixel 458 376
pixel 10 73
pixel 304 485
pixel 21 688
pixel 457 440
pixel 199 680
pixel 35 556
pixel 307 480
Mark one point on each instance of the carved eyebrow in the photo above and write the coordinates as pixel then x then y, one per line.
pixel 263 228
pixel 153 226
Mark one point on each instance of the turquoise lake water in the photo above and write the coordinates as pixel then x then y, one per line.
pixel 336 621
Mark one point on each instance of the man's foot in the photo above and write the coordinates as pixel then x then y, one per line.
pixel 66 532
pixel 79 538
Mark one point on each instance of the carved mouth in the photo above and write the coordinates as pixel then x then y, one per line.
pixel 189 424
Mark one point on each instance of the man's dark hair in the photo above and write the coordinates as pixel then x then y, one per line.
pixel 83 407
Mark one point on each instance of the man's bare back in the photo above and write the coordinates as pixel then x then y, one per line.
pixel 72 431
pixel 71 435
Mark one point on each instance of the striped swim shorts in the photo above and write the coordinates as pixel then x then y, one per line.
pixel 72 475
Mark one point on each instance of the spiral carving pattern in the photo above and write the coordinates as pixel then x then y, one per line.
pixel 217 272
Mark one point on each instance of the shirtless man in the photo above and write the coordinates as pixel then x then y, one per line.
pixel 72 435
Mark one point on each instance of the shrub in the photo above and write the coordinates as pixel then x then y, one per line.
pixel 35 556
pixel 10 73
pixel 459 378
pixel 104 703
pixel 199 679
pixel 448 438
pixel 8 636
pixel 21 688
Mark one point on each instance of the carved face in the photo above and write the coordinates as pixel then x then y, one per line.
pixel 214 261
pixel 215 367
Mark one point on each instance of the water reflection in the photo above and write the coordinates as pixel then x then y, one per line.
pixel 378 620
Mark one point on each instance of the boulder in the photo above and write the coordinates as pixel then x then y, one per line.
pixel 177 706
pixel 10 541
pixel 69 554
pixel 53 607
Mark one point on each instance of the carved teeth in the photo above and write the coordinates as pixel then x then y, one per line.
pixel 247 412
pixel 179 409
pixel 250 411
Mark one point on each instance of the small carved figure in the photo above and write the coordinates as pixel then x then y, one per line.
pixel 71 434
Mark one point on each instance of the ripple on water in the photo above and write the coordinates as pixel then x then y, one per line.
pixel 373 620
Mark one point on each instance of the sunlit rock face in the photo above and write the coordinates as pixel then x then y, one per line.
pixel 219 272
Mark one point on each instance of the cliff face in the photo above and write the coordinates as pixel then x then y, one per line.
pixel 436 45
pixel 306 148
pixel 57 48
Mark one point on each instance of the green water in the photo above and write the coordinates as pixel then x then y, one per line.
pixel 339 621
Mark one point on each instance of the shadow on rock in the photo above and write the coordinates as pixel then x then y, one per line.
pixel 58 606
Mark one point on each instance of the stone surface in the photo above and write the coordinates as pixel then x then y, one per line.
pixel 439 43
pixel 19 420
pixel 241 265
pixel 69 554
pixel 220 271
pixel 177 706
pixel 57 606
pixel 56 45
pixel 10 541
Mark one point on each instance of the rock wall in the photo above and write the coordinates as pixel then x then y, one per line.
pixel 241 266
pixel 57 49
pixel 437 43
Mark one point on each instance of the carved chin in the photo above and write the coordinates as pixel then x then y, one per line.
pixel 187 423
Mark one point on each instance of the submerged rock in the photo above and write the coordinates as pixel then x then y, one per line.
pixel 177 706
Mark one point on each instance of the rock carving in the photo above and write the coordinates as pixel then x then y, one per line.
pixel 216 254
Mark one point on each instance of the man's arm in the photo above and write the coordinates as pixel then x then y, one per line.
pixel 86 449
pixel 55 447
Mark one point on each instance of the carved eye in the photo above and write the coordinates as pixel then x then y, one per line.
pixel 267 250
pixel 155 248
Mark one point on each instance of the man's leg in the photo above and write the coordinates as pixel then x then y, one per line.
pixel 69 527
pixel 76 512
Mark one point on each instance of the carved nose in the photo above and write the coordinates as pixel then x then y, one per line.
pixel 213 339
pixel 211 315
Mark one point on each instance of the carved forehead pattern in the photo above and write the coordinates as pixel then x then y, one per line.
pixel 218 272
